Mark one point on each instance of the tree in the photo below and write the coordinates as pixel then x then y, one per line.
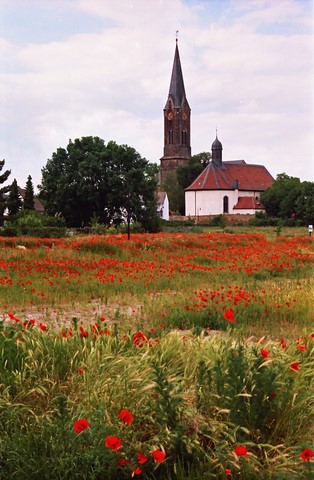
pixel 186 174
pixel 28 203
pixel 90 179
pixel 133 182
pixel 15 201
pixel 3 190
pixel 280 198
pixel 175 193
pixel 305 203
pixel 176 183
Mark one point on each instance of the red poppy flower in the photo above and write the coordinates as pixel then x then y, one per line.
pixel 241 451
pixel 141 458
pixel 139 339
pixel 228 472
pixel 228 315
pixel 264 353
pixel 83 333
pixel 302 348
pixel 113 442
pixel 126 416
pixel 80 371
pixel 81 425
pixel 294 366
pixel 136 471
pixel 159 456
pixel 307 454
pixel 123 462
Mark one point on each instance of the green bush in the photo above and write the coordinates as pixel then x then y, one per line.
pixel 261 219
pixel 218 221
pixel 31 223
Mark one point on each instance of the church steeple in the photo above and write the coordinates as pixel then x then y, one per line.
pixel 177 123
pixel 176 90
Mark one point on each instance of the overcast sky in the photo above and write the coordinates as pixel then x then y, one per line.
pixel 73 68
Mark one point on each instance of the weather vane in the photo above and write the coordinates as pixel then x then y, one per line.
pixel 177 32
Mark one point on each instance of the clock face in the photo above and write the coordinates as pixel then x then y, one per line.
pixel 170 116
pixel 185 116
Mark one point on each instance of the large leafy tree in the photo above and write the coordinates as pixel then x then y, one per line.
pixel 28 202
pixel 305 203
pixel 280 198
pixel 3 190
pixel 90 179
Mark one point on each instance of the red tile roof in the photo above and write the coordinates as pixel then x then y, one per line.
pixel 233 174
pixel 248 203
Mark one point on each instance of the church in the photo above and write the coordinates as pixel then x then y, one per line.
pixel 224 186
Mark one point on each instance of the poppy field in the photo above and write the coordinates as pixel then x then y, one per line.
pixel 169 356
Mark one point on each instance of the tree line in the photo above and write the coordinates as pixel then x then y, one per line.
pixel 10 197
pixel 91 182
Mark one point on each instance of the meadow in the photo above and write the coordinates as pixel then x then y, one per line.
pixel 168 356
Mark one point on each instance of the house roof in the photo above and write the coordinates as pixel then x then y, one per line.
pixel 248 203
pixel 234 174
pixel 38 206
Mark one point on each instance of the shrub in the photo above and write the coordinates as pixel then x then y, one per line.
pixel 31 223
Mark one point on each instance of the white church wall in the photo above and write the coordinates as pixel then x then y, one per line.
pixel 207 202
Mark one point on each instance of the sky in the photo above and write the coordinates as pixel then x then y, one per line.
pixel 75 68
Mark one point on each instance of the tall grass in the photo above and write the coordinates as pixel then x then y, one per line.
pixel 194 397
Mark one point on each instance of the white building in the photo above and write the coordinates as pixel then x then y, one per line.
pixel 163 205
pixel 229 187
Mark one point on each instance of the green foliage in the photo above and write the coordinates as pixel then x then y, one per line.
pixel 288 198
pixel 261 219
pixel 186 174
pixel 175 193
pixel 30 222
pixel 3 190
pixel 218 221
pixel 28 202
pixel 176 182
pixel 304 205
pixel 89 179
pixel 192 397
pixel 14 202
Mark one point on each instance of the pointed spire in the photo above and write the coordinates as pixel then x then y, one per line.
pixel 176 89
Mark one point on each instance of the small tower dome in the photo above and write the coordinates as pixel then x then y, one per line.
pixel 216 145
pixel 217 152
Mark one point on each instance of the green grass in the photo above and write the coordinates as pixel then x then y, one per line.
pixel 78 343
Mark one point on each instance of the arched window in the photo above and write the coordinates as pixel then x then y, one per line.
pixel 170 137
pixel 183 137
pixel 226 204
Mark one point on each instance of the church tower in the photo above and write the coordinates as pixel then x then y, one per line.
pixel 177 123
